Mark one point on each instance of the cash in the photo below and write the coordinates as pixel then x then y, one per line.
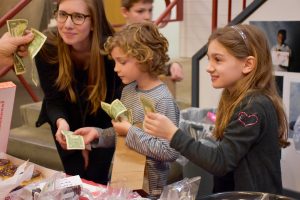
pixel 147 104
pixel 117 111
pixel 73 141
pixel 37 43
pixel 16 28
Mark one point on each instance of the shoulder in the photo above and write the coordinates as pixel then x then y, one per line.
pixel 162 91
pixel 257 104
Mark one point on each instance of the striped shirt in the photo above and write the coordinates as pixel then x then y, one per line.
pixel 158 151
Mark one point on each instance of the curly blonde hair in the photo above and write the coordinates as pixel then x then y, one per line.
pixel 143 42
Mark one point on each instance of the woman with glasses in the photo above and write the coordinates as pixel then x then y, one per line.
pixel 75 78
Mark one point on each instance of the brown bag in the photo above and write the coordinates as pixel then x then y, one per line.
pixel 129 168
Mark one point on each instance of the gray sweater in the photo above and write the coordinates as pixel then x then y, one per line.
pixel 248 156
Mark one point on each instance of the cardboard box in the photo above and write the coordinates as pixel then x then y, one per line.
pixel 129 169
pixel 7 97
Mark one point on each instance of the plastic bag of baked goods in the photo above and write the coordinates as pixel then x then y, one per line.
pixel 185 189
pixel 56 187
pixel 12 177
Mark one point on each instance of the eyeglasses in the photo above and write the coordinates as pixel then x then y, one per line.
pixel 77 18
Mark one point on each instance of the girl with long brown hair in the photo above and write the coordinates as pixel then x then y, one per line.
pixel 75 78
pixel 251 125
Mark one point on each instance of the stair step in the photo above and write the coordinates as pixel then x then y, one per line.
pixel 30 113
pixel 35 144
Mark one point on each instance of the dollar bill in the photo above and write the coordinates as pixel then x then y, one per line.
pixel 73 141
pixel 17 27
pixel 147 104
pixel 19 65
pixel 117 108
pixel 37 43
pixel 106 108
pixel 117 111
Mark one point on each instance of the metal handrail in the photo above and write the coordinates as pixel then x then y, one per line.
pixel 170 6
pixel 10 14
pixel 202 52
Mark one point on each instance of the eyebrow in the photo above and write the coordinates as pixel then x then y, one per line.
pixel 215 54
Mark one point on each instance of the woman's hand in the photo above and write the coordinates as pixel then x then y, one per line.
pixel 88 133
pixel 176 71
pixel 121 128
pixel 61 124
pixel 159 125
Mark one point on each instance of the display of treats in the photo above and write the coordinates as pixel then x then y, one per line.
pixel 36 176
pixel 3 163
pixel 8 171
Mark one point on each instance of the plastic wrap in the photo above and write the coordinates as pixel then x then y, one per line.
pixel 185 189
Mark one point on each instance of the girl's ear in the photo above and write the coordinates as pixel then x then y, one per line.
pixel 250 65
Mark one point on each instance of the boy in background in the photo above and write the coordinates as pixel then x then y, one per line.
pixel 135 11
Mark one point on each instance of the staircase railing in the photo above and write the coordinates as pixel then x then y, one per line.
pixel 10 14
pixel 170 6
pixel 202 52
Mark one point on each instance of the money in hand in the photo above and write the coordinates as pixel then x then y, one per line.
pixel 17 27
pixel 117 111
pixel 147 104
pixel 37 43
pixel 73 141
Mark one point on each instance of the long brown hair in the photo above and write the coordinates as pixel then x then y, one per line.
pixel 242 41
pixel 97 87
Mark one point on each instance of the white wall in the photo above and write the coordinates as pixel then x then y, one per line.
pixel 171 30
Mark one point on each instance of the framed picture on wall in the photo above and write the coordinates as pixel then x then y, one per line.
pixel 283 38
pixel 291 96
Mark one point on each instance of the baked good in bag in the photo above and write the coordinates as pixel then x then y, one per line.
pixel 3 163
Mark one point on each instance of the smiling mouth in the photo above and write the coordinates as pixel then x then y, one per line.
pixel 213 78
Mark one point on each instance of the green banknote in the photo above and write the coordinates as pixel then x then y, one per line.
pixel 37 43
pixel 117 108
pixel 147 104
pixel 73 141
pixel 117 111
pixel 19 65
pixel 17 27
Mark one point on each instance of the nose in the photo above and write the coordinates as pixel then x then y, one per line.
pixel 116 68
pixel 147 16
pixel 69 22
pixel 209 68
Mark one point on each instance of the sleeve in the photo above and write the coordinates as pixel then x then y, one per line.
pixel 54 100
pixel 150 146
pixel 242 132
pixel 107 138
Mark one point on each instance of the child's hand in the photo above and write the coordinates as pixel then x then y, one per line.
pixel 159 125
pixel 88 133
pixel 121 128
